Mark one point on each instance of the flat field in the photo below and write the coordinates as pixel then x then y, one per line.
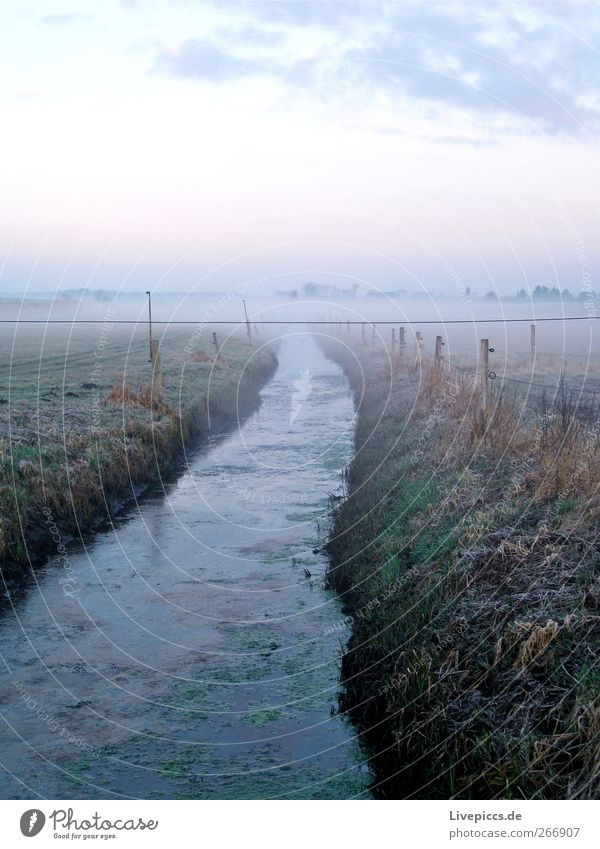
pixel 81 428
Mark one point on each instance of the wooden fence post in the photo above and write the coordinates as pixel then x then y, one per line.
pixel 418 340
pixel 248 328
pixel 402 339
pixel 438 351
pixel 393 340
pixel 373 334
pixel 216 344
pixel 157 377
pixel 485 374
pixel 532 343
pixel 150 321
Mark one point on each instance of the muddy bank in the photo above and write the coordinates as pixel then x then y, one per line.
pixel 60 483
pixel 468 557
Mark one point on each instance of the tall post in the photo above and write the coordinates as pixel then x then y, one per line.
pixel 157 377
pixel 485 371
pixel 532 342
pixel 438 351
pixel 150 321
pixel 402 339
pixel 248 328
pixel 393 340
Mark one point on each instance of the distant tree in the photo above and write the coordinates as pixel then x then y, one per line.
pixel 316 290
pixel 543 293
pixel 310 289
pixel 540 293
pixel 490 296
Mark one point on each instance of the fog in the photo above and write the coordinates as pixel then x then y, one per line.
pixel 461 322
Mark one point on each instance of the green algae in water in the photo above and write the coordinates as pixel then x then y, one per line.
pixel 263 716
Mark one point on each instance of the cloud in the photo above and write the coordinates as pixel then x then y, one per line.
pixel 318 13
pixel 64 19
pixel 202 60
pixel 533 63
pixel 253 35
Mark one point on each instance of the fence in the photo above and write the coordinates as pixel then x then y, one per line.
pixel 482 371
pixel 372 333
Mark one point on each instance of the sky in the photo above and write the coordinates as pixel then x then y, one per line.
pixel 191 145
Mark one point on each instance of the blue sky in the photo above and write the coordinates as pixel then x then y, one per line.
pixel 192 144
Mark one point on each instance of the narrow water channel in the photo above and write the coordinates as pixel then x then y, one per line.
pixel 197 653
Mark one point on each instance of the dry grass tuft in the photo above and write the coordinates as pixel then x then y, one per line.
pixel 202 357
pixel 536 644
pixel 122 394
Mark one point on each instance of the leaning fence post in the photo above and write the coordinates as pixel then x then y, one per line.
pixel 532 342
pixel 216 344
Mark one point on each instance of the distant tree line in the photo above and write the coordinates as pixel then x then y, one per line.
pixel 542 293
pixel 320 291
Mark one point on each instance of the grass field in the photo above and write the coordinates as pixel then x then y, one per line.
pixel 82 430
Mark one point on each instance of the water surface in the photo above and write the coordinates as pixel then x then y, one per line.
pixel 191 651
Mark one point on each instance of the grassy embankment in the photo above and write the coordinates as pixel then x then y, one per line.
pixel 83 433
pixel 468 554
